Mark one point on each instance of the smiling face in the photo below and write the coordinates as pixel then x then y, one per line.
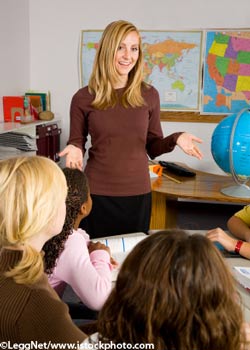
pixel 126 57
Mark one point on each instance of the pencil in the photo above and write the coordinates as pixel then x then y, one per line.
pixel 171 178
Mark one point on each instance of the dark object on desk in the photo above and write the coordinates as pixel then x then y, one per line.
pixel 48 141
pixel 177 169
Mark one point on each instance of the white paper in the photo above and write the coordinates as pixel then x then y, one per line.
pixel 120 246
pixel 242 275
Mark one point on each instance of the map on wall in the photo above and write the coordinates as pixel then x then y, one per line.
pixel 172 63
pixel 89 44
pixel 226 82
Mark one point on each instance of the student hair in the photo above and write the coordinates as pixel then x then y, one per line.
pixel 104 73
pixel 31 189
pixel 78 191
pixel 174 290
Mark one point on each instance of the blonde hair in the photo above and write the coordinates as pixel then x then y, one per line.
pixel 104 73
pixel 31 190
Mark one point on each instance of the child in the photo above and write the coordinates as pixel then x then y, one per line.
pixel 32 210
pixel 239 224
pixel 70 258
pixel 173 291
pixel 239 227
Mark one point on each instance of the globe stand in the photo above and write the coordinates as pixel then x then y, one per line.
pixel 241 190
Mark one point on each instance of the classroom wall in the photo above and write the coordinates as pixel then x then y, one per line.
pixel 49 30
pixel 14 48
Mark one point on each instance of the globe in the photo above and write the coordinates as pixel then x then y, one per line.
pixel 230 148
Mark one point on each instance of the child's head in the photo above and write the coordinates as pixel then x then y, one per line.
pixel 78 206
pixel 78 194
pixel 174 290
pixel 32 189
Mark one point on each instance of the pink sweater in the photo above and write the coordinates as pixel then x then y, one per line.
pixel 89 275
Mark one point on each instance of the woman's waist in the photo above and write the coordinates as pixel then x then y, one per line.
pixel 118 180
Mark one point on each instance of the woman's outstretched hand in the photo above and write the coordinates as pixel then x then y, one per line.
pixel 74 157
pixel 187 142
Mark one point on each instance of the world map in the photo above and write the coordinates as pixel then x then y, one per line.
pixel 172 63
pixel 226 83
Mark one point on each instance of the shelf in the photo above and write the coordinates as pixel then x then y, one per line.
pixel 10 126
pixel 29 129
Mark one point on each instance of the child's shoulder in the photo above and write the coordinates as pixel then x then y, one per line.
pixel 78 235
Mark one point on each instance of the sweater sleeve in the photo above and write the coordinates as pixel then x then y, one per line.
pixel 156 143
pixel 89 275
pixel 78 122
pixel 49 320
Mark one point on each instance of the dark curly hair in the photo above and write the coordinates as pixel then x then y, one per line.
pixel 78 191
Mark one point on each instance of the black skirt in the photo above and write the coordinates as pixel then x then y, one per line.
pixel 118 215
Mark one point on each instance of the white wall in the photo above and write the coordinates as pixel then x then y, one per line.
pixel 15 48
pixel 54 32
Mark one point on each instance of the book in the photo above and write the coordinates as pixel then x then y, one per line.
pixel 42 140
pixel 13 108
pixel 35 104
pixel 42 96
pixel 54 142
pixel 120 246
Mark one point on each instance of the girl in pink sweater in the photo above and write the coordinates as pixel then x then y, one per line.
pixel 70 257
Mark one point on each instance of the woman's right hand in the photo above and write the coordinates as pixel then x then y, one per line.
pixel 218 235
pixel 74 157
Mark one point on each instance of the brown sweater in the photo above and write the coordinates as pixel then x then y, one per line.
pixel 32 312
pixel 122 139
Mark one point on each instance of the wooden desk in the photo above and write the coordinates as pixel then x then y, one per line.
pixel 203 187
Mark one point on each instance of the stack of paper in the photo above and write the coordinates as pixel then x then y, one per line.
pixel 20 141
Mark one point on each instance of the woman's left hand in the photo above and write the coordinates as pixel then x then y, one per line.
pixel 186 142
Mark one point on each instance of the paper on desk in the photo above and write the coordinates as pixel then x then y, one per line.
pixel 120 246
pixel 243 276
